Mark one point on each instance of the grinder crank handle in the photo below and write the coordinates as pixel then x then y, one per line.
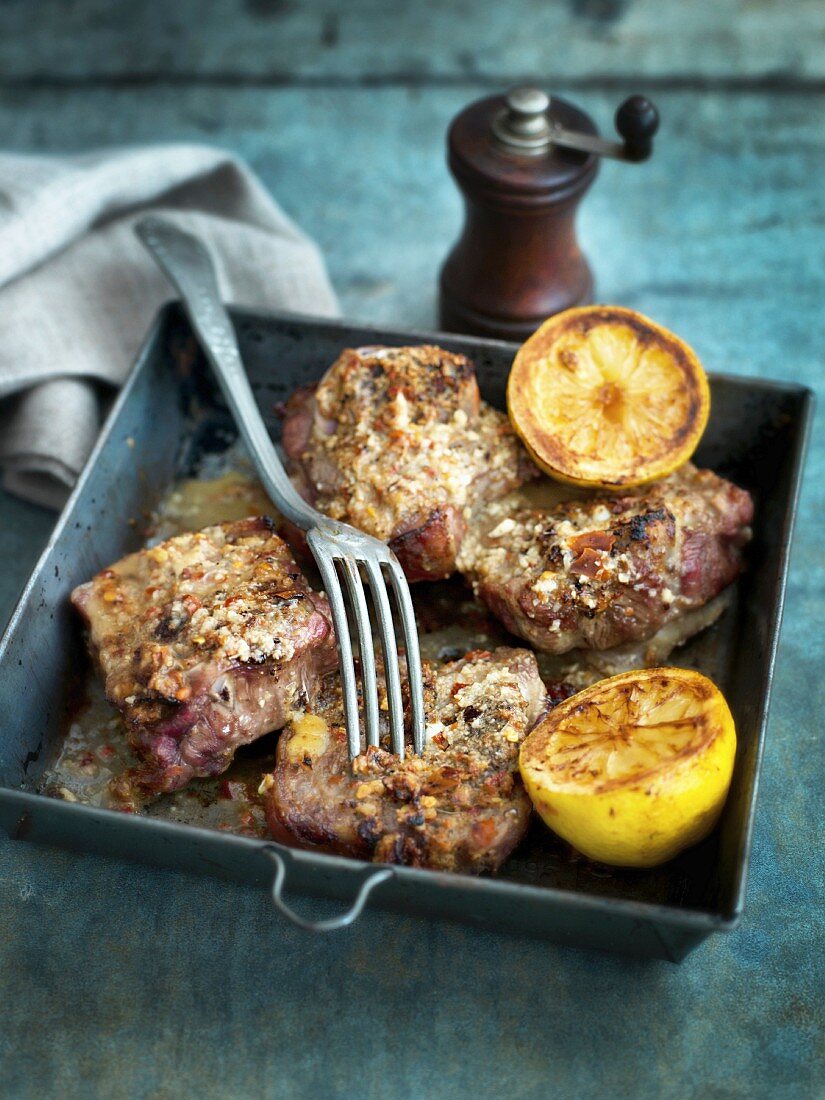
pixel 637 121
pixel 186 262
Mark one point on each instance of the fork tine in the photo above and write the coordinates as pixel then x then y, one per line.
pixel 355 587
pixel 391 674
pixel 342 640
pixel 405 607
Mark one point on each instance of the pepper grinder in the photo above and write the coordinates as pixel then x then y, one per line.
pixel 523 162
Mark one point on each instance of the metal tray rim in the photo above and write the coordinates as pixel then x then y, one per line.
pixel 698 920
pixel 244 313
pixel 777 612
pixel 120 401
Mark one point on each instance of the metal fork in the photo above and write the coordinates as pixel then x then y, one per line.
pixel 335 546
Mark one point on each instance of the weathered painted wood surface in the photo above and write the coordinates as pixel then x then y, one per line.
pixel 119 981
pixel 277 40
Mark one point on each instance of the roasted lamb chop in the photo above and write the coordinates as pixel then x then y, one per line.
pixel 609 570
pixel 458 807
pixel 206 642
pixel 397 442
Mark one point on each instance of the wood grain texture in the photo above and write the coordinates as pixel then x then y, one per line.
pixel 280 40
pixel 119 981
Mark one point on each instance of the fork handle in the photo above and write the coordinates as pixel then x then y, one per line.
pixel 185 261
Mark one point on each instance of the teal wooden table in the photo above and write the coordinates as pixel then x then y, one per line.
pixel 121 981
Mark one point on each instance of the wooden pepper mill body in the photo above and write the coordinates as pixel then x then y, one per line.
pixel 517 260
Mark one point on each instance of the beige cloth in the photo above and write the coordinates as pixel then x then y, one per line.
pixel 78 291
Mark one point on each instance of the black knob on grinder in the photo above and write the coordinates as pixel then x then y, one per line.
pixel 637 120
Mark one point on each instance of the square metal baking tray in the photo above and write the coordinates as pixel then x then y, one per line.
pixel 167 411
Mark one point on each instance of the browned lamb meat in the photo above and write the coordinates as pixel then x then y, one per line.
pixel 206 642
pixel 397 442
pixel 606 571
pixel 458 807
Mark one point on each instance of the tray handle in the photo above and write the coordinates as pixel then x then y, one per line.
pixel 379 875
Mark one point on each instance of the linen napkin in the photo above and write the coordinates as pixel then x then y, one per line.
pixel 78 291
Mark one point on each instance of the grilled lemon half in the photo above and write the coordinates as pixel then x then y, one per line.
pixel 603 397
pixel 635 768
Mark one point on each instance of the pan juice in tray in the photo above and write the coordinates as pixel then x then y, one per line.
pixel 597 577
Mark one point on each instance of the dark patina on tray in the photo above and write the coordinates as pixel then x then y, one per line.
pixel 166 412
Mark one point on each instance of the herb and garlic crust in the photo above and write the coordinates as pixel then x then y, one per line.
pixel 604 571
pixel 205 642
pixel 460 806
pixel 398 443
